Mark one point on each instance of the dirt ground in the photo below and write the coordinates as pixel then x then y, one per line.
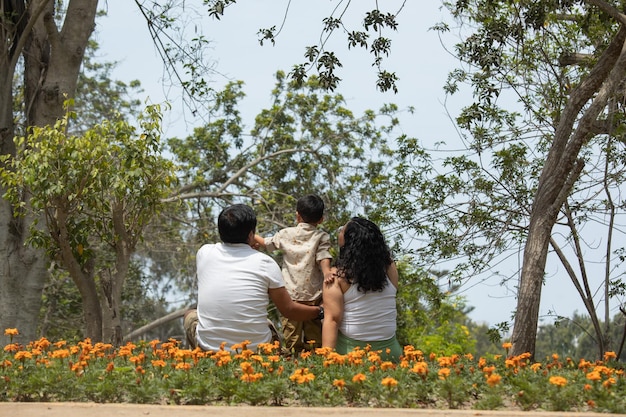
pixel 139 410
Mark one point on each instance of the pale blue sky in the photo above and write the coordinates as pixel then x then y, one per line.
pixel 418 58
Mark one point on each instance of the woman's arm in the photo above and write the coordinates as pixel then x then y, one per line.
pixel 333 312
pixel 392 273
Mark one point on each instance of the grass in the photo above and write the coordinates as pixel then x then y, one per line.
pixel 158 372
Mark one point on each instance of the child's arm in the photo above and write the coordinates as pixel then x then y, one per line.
pixel 329 274
pixel 259 242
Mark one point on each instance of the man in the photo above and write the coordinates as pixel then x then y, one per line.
pixel 235 286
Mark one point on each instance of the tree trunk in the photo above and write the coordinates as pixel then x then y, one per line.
pixel 52 61
pixel 560 172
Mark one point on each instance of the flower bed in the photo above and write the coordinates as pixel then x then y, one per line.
pixel 158 372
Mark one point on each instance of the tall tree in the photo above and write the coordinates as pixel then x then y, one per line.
pixel 52 55
pixel 546 78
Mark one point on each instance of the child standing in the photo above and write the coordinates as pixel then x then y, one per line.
pixel 306 263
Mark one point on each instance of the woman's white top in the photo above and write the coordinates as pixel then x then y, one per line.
pixel 369 316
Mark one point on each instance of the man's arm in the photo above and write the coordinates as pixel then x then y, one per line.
pixel 289 308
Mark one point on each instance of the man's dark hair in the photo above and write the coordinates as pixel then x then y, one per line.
pixel 311 208
pixel 235 223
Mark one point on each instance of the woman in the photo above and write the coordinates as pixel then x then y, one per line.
pixel 360 305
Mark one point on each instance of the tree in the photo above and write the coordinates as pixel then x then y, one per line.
pixel 540 117
pixel 96 193
pixel 52 56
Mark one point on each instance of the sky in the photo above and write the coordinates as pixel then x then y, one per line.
pixel 419 57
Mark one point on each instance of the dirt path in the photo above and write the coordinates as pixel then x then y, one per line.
pixel 139 410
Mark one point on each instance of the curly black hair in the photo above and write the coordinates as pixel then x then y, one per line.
pixel 365 256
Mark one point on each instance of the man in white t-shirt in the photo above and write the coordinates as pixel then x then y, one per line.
pixel 235 286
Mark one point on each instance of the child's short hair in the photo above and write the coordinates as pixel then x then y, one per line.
pixel 310 208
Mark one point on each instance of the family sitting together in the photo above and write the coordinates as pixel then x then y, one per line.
pixel 351 304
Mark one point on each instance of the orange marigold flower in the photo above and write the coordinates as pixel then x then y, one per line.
pixel 555 356
pixel 387 365
pixel 246 367
pixel 609 355
pixel 60 354
pixel 22 355
pixel 11 332
pixel 594 376
pixel 591 403
pixel 359 378
pixel 158 363
pixel 535 366
pixel 493 380
pixel 609 382
pixel 251 377
pixel 482 362
pixel 323 351
pixel 302 376
pixel 444 373
pixel 587 387
pixel 420 368
pixel 559 381
pixel 488 370
pixel 305 354
pixel 183 365
pixel 12 347
pixel 507 345
pixel 389 382
pixel 339 383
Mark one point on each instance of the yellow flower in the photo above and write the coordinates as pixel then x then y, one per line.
pixel 559 381
pixel 359 378
pixel 389 382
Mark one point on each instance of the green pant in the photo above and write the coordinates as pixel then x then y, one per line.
pixel 390 349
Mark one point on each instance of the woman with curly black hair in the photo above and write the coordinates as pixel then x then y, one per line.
pixel 360 305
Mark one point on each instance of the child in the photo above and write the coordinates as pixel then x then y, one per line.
pixel 306 264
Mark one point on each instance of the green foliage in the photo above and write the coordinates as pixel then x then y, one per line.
pixel 428 318
pixel 90 177
pixel 574 337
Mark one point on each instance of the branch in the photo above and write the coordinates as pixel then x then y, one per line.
pixel 610 10
pixel 221 191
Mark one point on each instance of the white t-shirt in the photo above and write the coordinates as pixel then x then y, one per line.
pixel 233 284
pixel 369 316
